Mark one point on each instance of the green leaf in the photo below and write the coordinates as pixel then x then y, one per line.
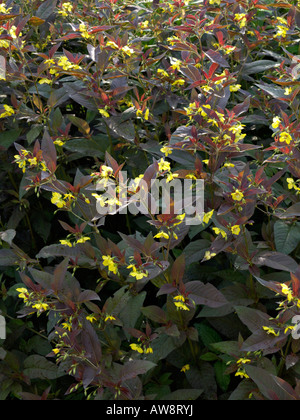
pixel 209 357
pixel 286 236
pixel 130 314
pixel 207 334
pixel 7 138
pixel 38 367
pixel 34 133
pixel 7 257
pixel 85 147
pixel 242 391
pixel 195 251
pixel 223 380
pixel 227 347
pixel 155 313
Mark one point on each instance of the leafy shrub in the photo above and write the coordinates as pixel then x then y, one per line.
pixel 123 306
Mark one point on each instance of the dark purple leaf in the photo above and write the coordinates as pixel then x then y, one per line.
pixel 216 57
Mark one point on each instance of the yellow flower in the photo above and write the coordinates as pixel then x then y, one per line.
pixel 285 137
pixel 237 128
pixel 219 231
pixel 291 183
pixel 84 32
pixel 162 235
pixel 3 9
pixel 106 171
pixel 4 44
pixel 281 31
pixel 166 150
pixel 147 112
pixel 41 306
pixel 163 165
pixel 287 291
pixel 127 50
pixel 289 328
pixel 56 351
pixel 176 65
pixel 241 19
pixel 179 82
pixel 236 230
pixel 59 143
pixel 185 368
pixel 104 113
pixel 12 32
pixel 209 255
pixel 9 111
pixel 113 202
pixel 149 350
pixel 182 306
pixel 21 161
pixel 67 326
pixel 100 199
pixel 58 200
pixel 276 122
pixel 202 111
pixel 242 374
pixel 237 195
pixel 49 61
pixel 23 293
pixel 66 242
pixel 162 73
pixel 180 298
pixel 138 274
pixel 69 197
pixel 180 218
pixel 271 331
pixel 83 240
pixel 243 361
pixel 137 348
pixel 145 25
pixel 109 318
pixel 66 7
pixel 207 217
pixel 112 44
pixel 179 302
pixel 66 64
pixel 109 262
pixel 45 81
pixel 91 318
pixel 33 161
pixel 235 88
pixel 139 113
pixel 171 176
pixel 288 91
